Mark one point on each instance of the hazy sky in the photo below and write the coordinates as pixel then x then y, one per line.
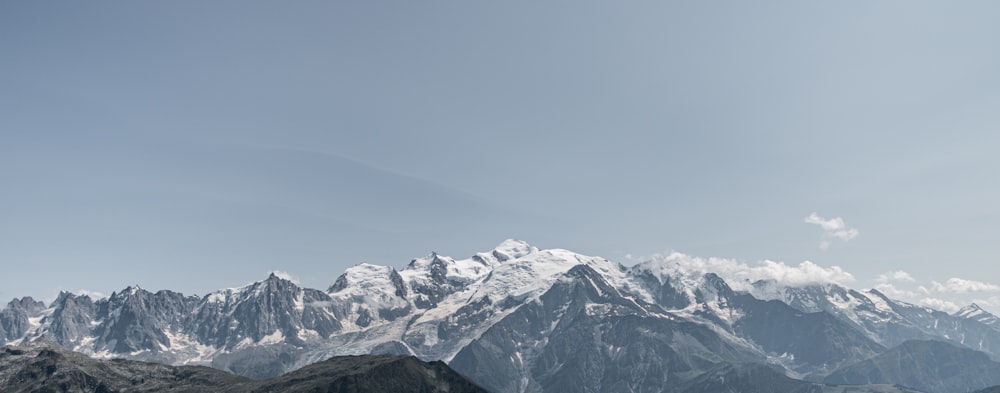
pixel 197 145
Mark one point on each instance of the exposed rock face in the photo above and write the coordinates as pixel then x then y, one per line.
pixel 15 319
pixel 71 319
pixel 271 311
pixel 135 319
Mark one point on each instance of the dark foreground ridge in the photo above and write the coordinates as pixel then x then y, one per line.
pixel 50 368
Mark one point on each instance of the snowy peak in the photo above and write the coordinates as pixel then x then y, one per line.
pixel 971 311
pixel 366 277
pixel 273 283
pixel 433 278
pixel 676 287
pixel 446 270
pixel 512 249
pixel 976 313
pixel 809 298
pixel 366 294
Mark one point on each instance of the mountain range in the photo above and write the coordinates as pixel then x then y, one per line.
pixel 522 319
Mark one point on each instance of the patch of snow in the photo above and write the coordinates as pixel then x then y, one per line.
pixel 273 338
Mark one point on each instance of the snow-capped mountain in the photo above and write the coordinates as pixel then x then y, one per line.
pixel 515 318
pixel 886 321
pixel 976 313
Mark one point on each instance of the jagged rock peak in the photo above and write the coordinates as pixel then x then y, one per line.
pixel 129 291
pixel 26 303
pixel 275 276
pixel 66 295
pixel 275 279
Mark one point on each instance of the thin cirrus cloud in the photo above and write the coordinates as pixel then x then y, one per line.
pixel 833 229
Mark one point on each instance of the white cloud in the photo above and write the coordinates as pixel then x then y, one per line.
pixel 959 285
pixel 834 228
pixel 898 276
pixel 894 292
pixel 885 283
pixel 285 275
pixel 939 304
pixel 740 275
pixel 948 295
pixel 92 294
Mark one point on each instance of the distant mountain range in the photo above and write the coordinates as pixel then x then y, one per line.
pixel 520 319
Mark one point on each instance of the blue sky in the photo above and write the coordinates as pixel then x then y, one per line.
pixel 198 145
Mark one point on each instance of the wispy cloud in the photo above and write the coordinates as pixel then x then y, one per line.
pixel 833 228
pixel 960 285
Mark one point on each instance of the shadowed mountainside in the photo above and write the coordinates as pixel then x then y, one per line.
pixel 44 367
pixel 933 366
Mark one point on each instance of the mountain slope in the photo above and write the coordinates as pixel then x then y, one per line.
pixel 370 373
pixel 886 321
pixel 583 335
pixel 759 378
pixel 51 368
pixel 41 367
pixel 931 366
pixel 805 342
